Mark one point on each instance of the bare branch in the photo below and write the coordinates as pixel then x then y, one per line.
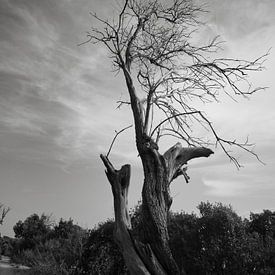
pixel 121 102
pixel 171 117
pixel 117 133
pixel 219 141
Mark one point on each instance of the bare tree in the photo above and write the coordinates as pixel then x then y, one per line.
pixel 151 43
pixel 3 212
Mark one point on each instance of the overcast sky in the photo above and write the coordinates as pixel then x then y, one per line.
pixel 58 113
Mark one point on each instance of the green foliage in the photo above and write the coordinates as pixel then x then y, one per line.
pixel 220 231
pixel 49 249
pixel 101 254
pixel 263 223
pixel 33 230
pixel 217 241
pixel 184 240
pixel 6 245
pixel 262 226
pixel 220 242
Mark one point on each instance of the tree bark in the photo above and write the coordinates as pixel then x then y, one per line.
pixel 156 202
pixel 139 258
pixel 160 171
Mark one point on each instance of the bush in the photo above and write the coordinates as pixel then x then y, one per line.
pixel 217 241
pixel 49 249
pixel 101 254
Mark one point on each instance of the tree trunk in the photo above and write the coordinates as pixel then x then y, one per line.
pixel 159 172
pixel 139 258
pixel 156 202
pixel 154 255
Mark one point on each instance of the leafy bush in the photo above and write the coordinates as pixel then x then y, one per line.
pixel 101 254
pixel 220 242
pixel 217 241
pixel 49 248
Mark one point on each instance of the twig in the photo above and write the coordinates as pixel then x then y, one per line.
pixel 120 102
pixel 117 133
pixel 173 116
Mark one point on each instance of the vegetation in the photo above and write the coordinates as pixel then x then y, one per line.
pixel 101 254
pixel 3 213
pixel 47 247
pixel 217 241
pixel 220 242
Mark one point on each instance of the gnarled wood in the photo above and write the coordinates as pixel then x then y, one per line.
pixel 177 156
pixel 139 258
pixel 120 180
pixel 154 256
pixel 148 257
pixel 156 202
pixel 159 171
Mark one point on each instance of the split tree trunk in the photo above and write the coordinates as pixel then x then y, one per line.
pixel 154 255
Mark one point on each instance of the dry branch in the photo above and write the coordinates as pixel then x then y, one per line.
pixel 177 156
pixel 117 133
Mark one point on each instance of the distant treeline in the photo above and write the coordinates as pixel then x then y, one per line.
pixel 217 241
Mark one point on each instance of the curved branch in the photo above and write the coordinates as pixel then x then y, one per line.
pixel 117 133
pixel 177 156
pixel 219 141
pixel 173 116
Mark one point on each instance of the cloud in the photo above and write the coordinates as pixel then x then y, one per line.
pixel 224 188
pixel 238 19
pixel 53 92
pixel 65 95
pixel 254 180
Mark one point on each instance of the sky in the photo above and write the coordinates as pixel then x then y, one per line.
pixel 58 113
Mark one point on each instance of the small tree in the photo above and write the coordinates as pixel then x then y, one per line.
pixel 3 212
pixel 165 71
pixel 33 231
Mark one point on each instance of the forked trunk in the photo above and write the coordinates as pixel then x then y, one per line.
pixel 153 256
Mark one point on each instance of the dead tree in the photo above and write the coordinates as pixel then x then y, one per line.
pixel 151 44
pixel 3 212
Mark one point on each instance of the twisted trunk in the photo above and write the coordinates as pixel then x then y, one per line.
pixel 154 255
pixel 156 202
